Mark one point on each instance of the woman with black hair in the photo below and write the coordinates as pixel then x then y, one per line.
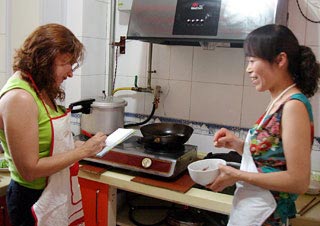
pixel 276 153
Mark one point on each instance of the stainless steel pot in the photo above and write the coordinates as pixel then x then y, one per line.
pixel 100 114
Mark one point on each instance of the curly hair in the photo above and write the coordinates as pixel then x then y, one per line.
pixel 268 41
pixel 37 55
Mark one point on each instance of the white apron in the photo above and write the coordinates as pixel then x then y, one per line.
pixel 60 203
pixel 252 205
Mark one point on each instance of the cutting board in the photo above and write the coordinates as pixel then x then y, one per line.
pixel 93 169
pixel 181 184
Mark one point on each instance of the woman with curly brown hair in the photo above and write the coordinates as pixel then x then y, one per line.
pixel 276 155
pixel 35 131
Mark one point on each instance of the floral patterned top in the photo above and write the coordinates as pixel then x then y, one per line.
pixel 267 151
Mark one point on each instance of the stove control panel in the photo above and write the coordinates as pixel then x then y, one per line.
pixel 136 162
pixel 134 156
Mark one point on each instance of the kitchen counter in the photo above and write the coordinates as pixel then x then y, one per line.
pixel 199 198
pixel 203 199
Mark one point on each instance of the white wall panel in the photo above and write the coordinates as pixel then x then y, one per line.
pixel 3 16
pixel 75 16
pixel 253 105
pixel 216 103
pixel 53 11
pixel 95 19
pixel 95 56
pixel 221 65
pixel 161 61
pixel 3 53
pixel 181 63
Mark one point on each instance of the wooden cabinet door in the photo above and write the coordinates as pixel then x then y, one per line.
pixel 4 218
pixel 95 202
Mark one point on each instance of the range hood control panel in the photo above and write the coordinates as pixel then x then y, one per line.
pixel 197 17
pixel 194 22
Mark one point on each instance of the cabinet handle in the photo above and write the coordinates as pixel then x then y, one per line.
pixel 97 205
pixel 3 215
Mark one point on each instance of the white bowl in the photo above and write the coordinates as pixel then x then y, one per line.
pixel 205 171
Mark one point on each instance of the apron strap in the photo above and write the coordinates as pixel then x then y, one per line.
pixel 39 94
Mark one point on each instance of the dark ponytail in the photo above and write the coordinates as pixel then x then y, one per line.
pixel 268 41
pixel 307 77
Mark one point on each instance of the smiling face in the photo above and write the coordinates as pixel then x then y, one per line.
pixel 262 73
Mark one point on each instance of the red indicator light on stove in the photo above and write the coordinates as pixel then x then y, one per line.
pixel 195 4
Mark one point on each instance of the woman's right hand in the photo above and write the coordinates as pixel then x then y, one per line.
pixel 227 139
pixel 95 144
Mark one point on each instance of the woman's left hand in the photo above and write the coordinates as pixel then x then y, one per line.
pixel 78 143
pixel 226 178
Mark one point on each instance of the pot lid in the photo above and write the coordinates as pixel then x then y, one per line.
pixel 109 102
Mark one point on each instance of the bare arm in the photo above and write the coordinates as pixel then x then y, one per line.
pixel 20 121
pixel 296 139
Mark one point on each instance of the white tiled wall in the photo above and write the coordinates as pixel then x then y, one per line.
pixel 74 17
pixel 25 16
pixel 3 6
pixel 220 92
pixel 3 49
pixel 206 86
pixel 296 21
pixel 53 11
pixel 221 65
pixel 95 19
pixel 174 92
pixel 88 20
pixel 181 63
pixel 312 29
pixel 134 62
pixel 216 103
pixel 3 42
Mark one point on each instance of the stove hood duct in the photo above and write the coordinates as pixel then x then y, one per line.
pixel 202 22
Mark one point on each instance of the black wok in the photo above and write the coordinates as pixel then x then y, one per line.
pixel 166 133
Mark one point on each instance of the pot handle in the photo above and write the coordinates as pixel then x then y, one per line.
pixel 85 106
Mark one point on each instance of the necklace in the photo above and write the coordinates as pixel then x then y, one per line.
pixel 274 101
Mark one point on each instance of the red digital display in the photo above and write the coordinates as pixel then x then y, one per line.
pixel 195 4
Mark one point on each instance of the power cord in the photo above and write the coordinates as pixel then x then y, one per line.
pixel 115 68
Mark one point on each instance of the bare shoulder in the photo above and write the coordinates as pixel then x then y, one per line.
pixel 295 112
pixel 17 107
pixel 17 99
pixel 296 106
pixel 19 95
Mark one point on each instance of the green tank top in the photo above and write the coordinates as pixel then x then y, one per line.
pixel 45 133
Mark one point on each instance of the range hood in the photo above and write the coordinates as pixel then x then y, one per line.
pixel 202 22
